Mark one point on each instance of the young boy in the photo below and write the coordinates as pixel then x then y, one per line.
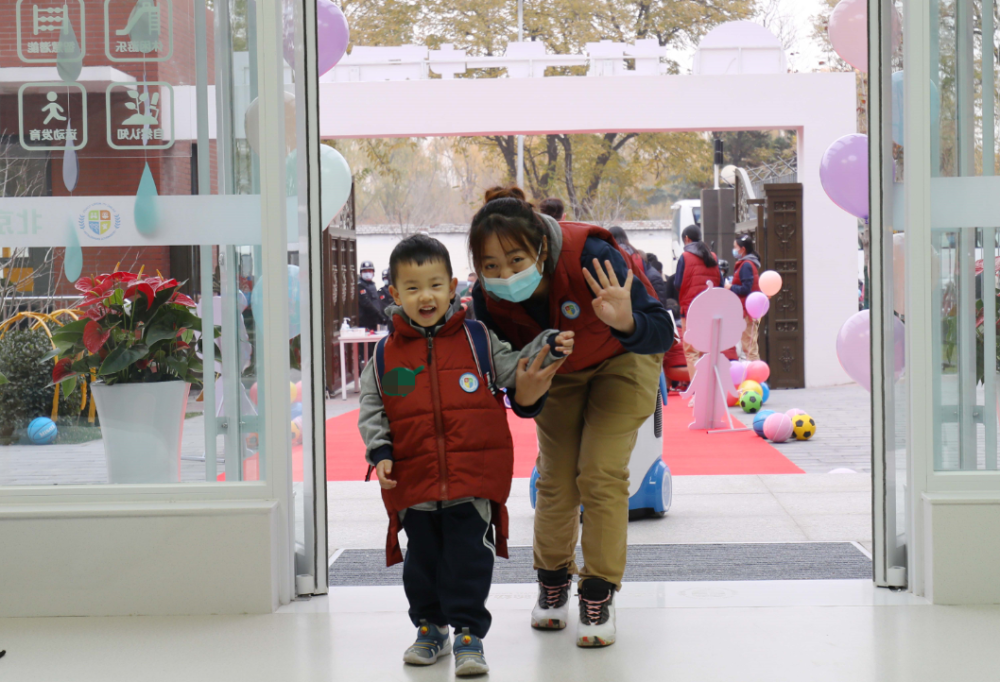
pixel 438 439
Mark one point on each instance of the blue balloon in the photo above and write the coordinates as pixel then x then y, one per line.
pixel 758 421
pixel 766 392
pixel 898 106
pixel 335 185
pixel 296 410
pixel 294 302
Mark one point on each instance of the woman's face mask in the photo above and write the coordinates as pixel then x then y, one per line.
pixel 736 253
pixel 518 287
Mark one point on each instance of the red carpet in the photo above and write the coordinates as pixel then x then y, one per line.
pixel 686 452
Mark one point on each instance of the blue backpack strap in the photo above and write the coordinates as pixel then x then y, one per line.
pixel 380 362
pixel 482 349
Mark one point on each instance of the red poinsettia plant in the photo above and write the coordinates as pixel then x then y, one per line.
pixel 136 330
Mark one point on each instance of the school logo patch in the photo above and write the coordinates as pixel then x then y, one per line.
pixel 570 310
pixel 469 382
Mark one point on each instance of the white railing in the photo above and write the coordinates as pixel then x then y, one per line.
pixel 522 60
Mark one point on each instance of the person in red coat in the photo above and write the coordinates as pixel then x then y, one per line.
pixel 535 273
pixel 746 280
pixel 436 433
pixel 697 270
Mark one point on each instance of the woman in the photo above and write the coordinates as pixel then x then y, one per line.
pixel 536 273
pixel 746 280
pixel 697 270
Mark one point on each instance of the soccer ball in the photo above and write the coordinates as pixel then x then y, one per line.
pixel 751 401
pixel 804 426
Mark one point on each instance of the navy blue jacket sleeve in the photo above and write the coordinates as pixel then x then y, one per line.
pixel 654 332
pixel 529 412
pixel 745 287
pixel 679 275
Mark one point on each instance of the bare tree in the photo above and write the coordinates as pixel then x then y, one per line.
pixel 776 16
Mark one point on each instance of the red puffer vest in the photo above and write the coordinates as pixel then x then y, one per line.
pixel 570 306
pixel 449 441
pixel 696 273
pixel 736 278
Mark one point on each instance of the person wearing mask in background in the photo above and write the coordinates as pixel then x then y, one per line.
pixel 370 314
pixel 535 272
pixel 640 260
pixel 385 298
pixel 552 207
pixel 746 280
pixel 466 296
pixel 697 270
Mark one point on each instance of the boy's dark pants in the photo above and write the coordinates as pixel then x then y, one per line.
pixel 448 567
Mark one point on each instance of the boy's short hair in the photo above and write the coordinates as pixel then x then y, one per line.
pixel 418 249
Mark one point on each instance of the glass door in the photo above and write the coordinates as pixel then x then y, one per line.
pixel 888 301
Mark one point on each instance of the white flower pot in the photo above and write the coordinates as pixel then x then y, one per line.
pixel 142 425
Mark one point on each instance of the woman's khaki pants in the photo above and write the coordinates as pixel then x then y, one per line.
pixel 749 340
pixel 586 434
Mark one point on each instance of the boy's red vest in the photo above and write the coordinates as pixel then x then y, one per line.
pixel 736 278
pixel 447 442
pixel 570 304
pixel 696 273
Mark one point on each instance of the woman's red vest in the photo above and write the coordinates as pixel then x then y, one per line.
pixel 736 278
pixel 448 441
pixel 570 304
pixel 696 274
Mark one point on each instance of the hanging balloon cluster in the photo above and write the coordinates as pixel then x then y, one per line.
pixel 844 175
pixel 332 37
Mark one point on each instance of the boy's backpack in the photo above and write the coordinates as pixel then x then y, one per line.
pixel 482 350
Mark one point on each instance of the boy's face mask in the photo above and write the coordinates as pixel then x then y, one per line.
pixel 518 287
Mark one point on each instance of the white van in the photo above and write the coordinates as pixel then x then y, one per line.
pixel 685 212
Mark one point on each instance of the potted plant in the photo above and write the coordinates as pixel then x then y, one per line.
pixel 138 347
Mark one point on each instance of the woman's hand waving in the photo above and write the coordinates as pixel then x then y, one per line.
pixel 612 302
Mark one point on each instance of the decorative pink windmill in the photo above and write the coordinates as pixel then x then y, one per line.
pixel 714 321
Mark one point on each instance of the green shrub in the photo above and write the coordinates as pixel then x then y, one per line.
pixel 28 394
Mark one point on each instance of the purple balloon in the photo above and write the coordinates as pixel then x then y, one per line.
pixel 737 371
pixel 843 172
pixel 854 348
pixel 332 35
pixel 757 305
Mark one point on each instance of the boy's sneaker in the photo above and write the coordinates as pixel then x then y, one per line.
pixel 469 659
pixel 432 643
pixel 597 613
pixel 551 612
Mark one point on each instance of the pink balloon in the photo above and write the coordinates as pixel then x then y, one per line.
pixel 253 394
pixel 854 348
pixel 770 282
pixel 738 372
pixel 758 371
pixel 757 305
pixel 843 172
pixel 332 35
pixel 778 427
pixel 298 392
pixel 849 32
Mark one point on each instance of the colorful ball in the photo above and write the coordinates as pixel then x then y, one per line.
pixel 737 372
pixel 750 385
pixel 732 400
pixel 803 426
pixel 42 431
pixel 297 431
pixel 778 427
pixel 758 421
pixel 751 401
pixel 758 371
pixel 766 392
pixel 792 413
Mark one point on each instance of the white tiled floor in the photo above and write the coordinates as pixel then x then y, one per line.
pixel 808 631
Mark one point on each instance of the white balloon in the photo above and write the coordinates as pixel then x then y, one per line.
pixel 335 181
pixel 251 123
